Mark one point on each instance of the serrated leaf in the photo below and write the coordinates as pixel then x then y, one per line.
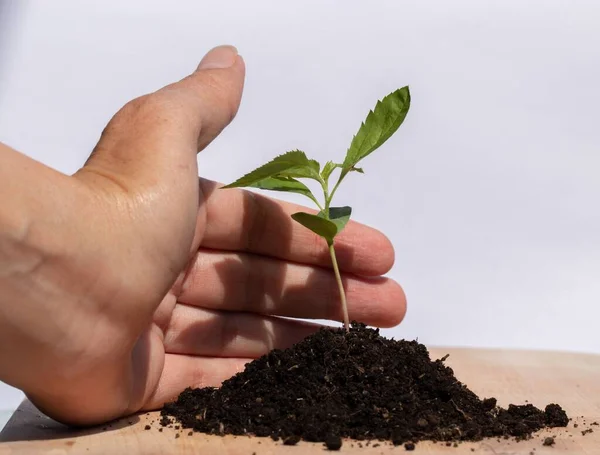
pixel 286 184
pixel 308 172
pixel 381 123
pixel 291 164
pixel 319 225
pixel 339 216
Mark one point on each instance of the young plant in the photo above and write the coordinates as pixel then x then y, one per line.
pixel 283 174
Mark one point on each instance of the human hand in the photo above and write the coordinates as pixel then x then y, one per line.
pixel 132 279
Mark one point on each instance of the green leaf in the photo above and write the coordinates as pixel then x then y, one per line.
pixel 319 225
pixel 329 167
pixel 290 164
pixel 339 216
pixel 302 172
pixel 286 184
pixel 381 123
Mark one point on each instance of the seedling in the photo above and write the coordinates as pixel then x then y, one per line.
pixel 283 172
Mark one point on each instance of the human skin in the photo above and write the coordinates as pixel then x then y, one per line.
pixel 133 279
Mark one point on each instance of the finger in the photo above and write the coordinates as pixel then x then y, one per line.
pixel 258 284
pixel 153 140
pixel 182 371
pixel 239 220
pixel 209 333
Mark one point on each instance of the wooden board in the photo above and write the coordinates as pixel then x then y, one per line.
pixel 572 380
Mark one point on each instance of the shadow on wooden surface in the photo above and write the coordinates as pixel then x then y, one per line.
pixel 30 424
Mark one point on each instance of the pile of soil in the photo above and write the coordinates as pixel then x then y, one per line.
pixel 355 384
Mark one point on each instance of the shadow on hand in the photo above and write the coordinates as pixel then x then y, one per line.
pixel 268 230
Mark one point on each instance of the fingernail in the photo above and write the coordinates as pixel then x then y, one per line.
pixel 219 57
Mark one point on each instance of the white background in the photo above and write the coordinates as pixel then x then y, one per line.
pixel 489 191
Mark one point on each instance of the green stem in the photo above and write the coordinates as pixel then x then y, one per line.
pixel 327 202
pixel 338 278
pixel 342 175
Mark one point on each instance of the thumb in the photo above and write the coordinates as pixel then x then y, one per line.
pixel 153 140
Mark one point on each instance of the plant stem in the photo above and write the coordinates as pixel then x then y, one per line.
pixel 327 202
pixel 342 175
pixel 338 278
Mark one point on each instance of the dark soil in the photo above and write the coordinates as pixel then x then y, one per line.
pixel 356 385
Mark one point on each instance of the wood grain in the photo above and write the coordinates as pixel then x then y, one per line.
pixel 572 380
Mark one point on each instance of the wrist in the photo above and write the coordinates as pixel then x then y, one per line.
pixel 29 288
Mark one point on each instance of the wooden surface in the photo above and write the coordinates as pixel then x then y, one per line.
pixel 572 380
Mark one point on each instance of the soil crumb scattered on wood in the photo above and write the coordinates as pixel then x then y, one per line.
pixel 336 384
pixel 409 446
pixel 549 441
